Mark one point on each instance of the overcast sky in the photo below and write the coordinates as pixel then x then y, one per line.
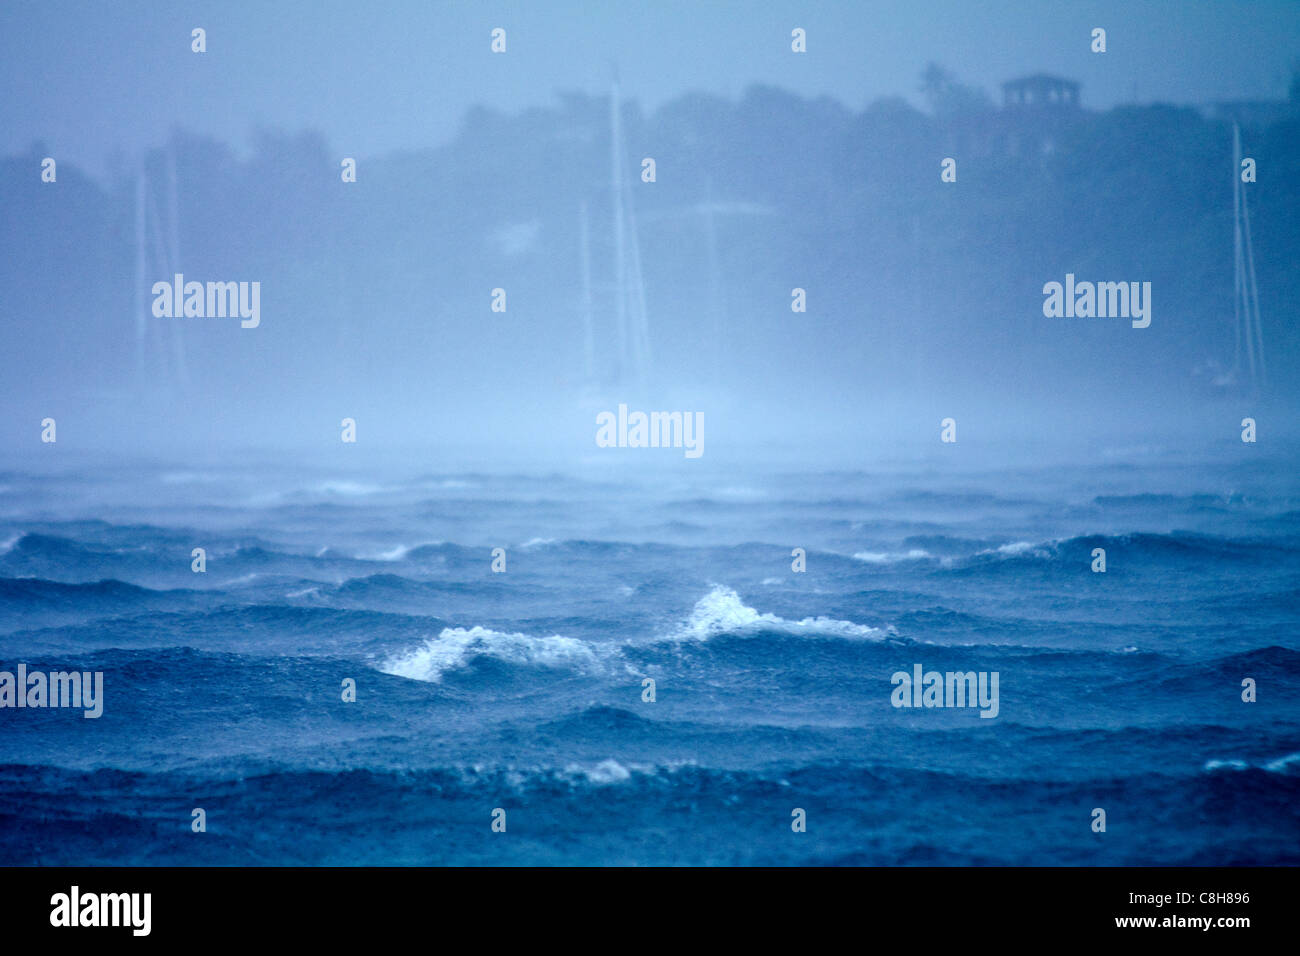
pixel 91 78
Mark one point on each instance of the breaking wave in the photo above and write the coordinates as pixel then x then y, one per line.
pixel 456 646
pixel 721 611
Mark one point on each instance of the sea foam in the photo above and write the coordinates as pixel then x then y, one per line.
pixel 457 646
pixel 721 611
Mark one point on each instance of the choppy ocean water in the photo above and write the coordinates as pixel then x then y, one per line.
pixel 523 690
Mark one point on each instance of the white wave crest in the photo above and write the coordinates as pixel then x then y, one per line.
pixel 1213 766
pixel 603 773
pixel 348 489
pixel 881 557
pixel 1015 549
pixel 534 543
pixel 721 611
pixel 456 646
pixel 1290 764
pixel 397 553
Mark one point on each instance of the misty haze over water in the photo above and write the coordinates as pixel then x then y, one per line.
pixel 924 298
pixel 963 347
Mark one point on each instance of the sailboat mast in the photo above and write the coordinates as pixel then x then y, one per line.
pixel 141 277
pixel 1237 270
pixel 1253 324
pixel 588 334
pixel 174 252
pixel 640 325
pixel 620 254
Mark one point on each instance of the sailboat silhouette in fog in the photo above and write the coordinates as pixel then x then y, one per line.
pixel 617 359
pixel 1250 377
pixel 160 362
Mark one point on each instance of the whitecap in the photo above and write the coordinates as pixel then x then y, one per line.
pixel 882 557
pixel 606 772
pixel 1213 765
pixel 457 646
pixel 349 489
pixel 398 553
pixel 721 611
pixel 1016 547
pixel 1290 764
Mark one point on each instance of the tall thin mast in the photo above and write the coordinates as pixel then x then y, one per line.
pixel 141 277
pixel 640 332
pixel 1244 337
pixel 588 335
pixel 1253 325
pixel 620 255
pixel 174 252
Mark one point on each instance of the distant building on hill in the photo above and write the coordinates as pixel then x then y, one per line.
pixel 1036 113
pixel 1040 91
